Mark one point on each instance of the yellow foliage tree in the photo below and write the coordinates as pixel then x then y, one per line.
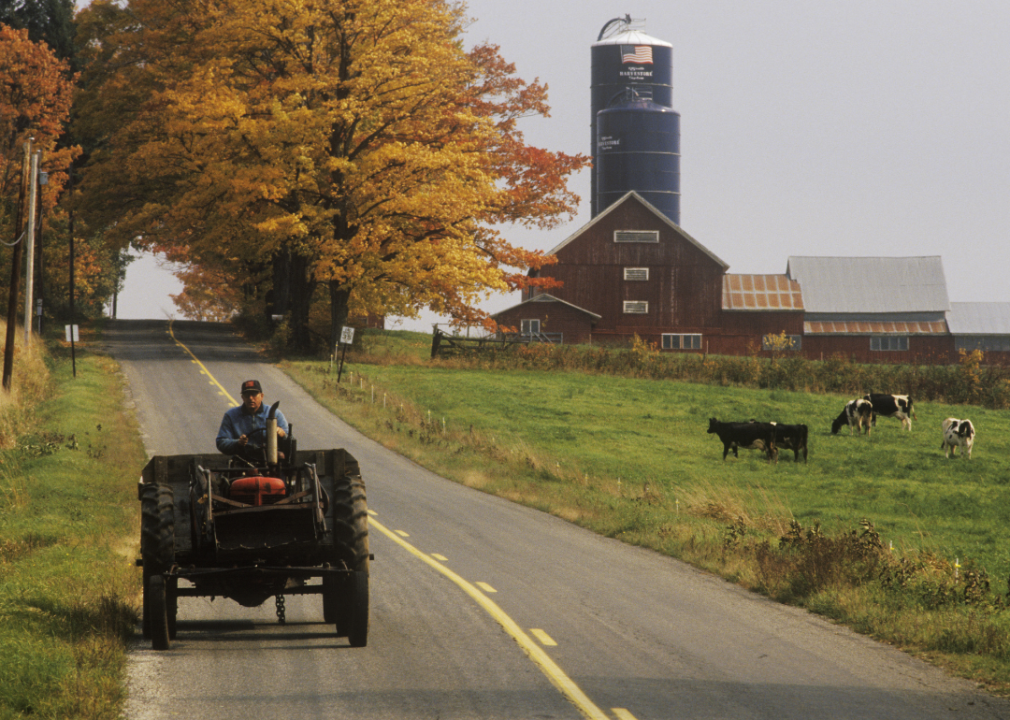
pixel 351 144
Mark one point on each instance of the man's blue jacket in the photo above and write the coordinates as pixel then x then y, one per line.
pixel 237 422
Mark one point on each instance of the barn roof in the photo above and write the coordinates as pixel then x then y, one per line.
pixel 760 292
pixel 979 318
pixel 871 284
pixel 548 298
pixel 677 228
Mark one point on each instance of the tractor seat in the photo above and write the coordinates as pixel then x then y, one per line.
pixel 257 490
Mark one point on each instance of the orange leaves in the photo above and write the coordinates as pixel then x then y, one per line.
pixel 355 135
pixel 35 96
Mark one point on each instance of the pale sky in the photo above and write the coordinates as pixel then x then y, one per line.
pixel 870 128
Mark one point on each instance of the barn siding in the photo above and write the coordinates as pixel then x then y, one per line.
pixel 554 317
pixel 684 288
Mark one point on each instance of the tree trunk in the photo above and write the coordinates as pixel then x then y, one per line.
pixel 301 287
pixel 339 298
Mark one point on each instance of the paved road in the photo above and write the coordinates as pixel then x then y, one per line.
pixel 469 592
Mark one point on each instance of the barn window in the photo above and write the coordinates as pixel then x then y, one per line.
pixel 986 343
pixel 795 340
pixel 636 307
pixel 636 274
pixel 672 341
pixel 888 343
pixel 636 236
pixel 530 327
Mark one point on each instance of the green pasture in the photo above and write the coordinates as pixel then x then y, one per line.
pixel 648 431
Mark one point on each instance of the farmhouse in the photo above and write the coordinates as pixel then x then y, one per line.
pixel 632 271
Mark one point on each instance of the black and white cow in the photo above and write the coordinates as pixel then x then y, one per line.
pixel 957 433
pixel 791 437
pixel 856 414
pixel 750 435
pixel 896 406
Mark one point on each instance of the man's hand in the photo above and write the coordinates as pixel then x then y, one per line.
pixel 243 440
pixel 280 432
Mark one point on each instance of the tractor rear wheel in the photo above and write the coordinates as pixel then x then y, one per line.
pixel 345 600
pixel 156 612
pixel 157 545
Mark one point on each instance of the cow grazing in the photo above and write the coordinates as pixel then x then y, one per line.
pixel 896 406
pixel 856 414
pixel 749 435
pixel 791 437
pixel 957 433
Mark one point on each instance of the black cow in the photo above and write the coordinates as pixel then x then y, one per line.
pixel 856 413
pixel 750 435
pixel 896 406
pixel 791 437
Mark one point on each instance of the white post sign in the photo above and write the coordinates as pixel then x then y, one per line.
pixel 346 338
pixel 72 335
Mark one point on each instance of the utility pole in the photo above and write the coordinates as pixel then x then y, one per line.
pixel 33 186
pixel 12 304
pixel 73 348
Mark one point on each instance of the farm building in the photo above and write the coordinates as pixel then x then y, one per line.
pixel 980 326
pixel 632 271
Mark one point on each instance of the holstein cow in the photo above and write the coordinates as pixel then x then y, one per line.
pixel 749 435
pixel 957 433
pixel 856 413
pixel 896 406
pixel 791 437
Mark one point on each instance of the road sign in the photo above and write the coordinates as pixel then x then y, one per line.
pixel 346 335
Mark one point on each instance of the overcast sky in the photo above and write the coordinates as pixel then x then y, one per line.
pixel 874 128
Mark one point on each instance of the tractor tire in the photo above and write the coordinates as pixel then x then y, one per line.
pixel 345 600
pixel 156 612
pixel 353 618
pixel 157 541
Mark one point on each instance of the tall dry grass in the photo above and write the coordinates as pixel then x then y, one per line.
pixel 30 383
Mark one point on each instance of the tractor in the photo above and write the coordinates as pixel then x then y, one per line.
pixel 251 528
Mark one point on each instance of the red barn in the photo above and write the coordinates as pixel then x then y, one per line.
pixel 631 271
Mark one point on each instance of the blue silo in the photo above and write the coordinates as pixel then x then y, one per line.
pixel 635 132
pixel 638 148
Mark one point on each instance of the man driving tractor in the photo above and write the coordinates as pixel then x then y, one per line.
pixel 243 428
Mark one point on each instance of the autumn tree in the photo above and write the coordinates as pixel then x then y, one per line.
pixel 35 96
pixel 347 145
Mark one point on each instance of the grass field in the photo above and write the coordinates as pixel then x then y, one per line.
pixel 631 458
pixel 68 518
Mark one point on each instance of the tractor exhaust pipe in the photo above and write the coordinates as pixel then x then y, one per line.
pixel 272 434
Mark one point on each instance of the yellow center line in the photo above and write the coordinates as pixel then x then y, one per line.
pixel 572 692
pixel 213 380
pixel 622 714
pixel 545 639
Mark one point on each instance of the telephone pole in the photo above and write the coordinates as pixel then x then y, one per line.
pixel 33 187
pixel 12 304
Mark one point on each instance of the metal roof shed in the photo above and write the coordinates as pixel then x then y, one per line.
pixel 979 318
pixel 871 286
pixel 980 326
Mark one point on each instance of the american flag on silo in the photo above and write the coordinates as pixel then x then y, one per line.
pixel 641 54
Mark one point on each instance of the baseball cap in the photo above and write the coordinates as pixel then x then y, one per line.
pixel 251 386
